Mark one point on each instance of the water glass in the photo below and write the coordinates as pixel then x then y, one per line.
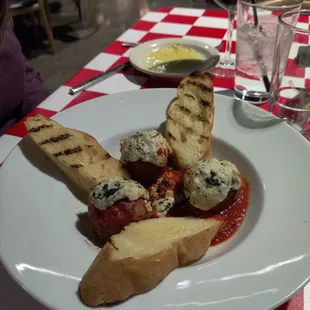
pixel 290 86
pixel 256 35
pixel 226 65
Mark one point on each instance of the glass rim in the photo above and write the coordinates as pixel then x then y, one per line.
pixel 291 13
pixel 272 7
pixel 286 106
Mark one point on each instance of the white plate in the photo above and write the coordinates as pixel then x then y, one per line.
pixel 138 55
pixel 261 266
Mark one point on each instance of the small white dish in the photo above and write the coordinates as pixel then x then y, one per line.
pixel 138 56
pixel 44 227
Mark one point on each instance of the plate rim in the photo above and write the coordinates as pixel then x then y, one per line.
pixel 165 41
pixel 35 295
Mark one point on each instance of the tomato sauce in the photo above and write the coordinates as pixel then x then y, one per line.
pixel 114 219
pixel 233 210
pixel 234 215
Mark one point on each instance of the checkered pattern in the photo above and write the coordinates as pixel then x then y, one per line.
pixel 206 26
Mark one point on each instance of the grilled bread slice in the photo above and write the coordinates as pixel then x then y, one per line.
pixel 143 254
pixel 190 120
pixel 77 154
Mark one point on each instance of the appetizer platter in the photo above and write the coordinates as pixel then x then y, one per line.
pixel 112 202
pixel 141 186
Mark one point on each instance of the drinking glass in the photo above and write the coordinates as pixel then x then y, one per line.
pixel 290 86
pixel 226 65
pixel 256 37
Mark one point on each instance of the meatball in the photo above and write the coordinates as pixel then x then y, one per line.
pixel 167 192
pixel 187 208
pixel 145 154
pixel 145 173
pixel 211 184
pixel 114 204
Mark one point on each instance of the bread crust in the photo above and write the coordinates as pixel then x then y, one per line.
pixel 108 280
pixel 77 154
pixel 190 119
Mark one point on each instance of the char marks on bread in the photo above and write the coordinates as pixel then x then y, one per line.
pixel 190 120
pixel 78 155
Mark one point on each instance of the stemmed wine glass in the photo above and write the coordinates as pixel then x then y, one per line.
pixel 226 65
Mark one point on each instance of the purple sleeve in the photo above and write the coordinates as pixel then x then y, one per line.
pixel 35 92
pixel 21 89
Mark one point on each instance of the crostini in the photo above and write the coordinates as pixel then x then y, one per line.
pixel 143 254
pixel 77 154
pixel 189 120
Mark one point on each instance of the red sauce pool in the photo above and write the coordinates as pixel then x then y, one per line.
pixel 234 215
pixel 234 211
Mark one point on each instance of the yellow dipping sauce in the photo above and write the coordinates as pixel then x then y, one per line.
pixel 171 53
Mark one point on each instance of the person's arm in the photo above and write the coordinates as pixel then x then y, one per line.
pixel 21 88
pixel 35 92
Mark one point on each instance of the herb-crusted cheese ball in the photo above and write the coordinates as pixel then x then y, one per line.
pixel 148 146
pixel 108 192
pixel 209 182
pixel 115 203
pixel 145 154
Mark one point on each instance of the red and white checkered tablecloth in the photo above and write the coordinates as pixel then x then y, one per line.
pixel 203 25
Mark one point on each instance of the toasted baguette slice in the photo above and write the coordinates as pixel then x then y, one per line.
pixel 80 157
pixel 190 120
pixel 143 254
